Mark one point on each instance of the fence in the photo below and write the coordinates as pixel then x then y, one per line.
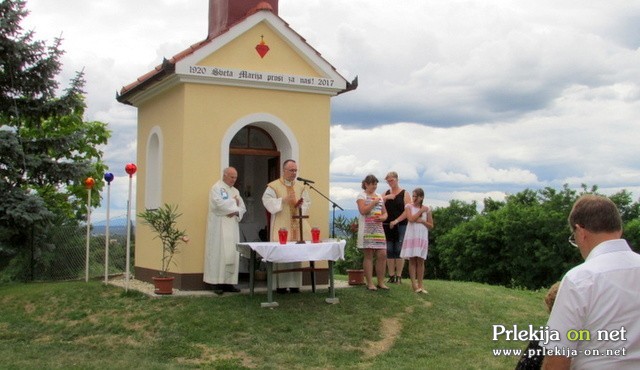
pixel 62 254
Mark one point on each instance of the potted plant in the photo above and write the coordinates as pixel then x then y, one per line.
pixel 164 221
pixel 352 264
pixel 355 273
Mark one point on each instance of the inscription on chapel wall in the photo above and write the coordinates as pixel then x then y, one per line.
pixel 276 78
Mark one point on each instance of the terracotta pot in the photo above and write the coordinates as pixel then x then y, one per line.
pixel 356 277
pixel 164 285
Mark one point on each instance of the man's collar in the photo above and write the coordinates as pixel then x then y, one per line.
pixel 609 246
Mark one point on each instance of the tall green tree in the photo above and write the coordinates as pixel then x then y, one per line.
pixel 47 150
pixel 446 219
pixel 629 210
pixel 521 242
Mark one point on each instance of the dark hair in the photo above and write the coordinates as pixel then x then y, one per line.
pixel 596 214
pixel 370 179
pixel 419 192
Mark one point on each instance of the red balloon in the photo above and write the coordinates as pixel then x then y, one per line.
pixel 89 182
pixel 130 168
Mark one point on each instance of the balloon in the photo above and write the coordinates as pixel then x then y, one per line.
pixel 130 168
pixel 108 177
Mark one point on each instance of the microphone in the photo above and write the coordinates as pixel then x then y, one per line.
pixel 305 180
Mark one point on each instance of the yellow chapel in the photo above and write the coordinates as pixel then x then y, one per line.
pixel 252 94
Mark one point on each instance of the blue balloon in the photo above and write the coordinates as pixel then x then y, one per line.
pixel 108 177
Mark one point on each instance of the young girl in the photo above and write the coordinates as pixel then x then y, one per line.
pixel 416 239
pixel 371 233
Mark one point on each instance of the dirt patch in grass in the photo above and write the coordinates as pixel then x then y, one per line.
pixel 110 341
pixel 29 308
pixel 390 329
pixel 211 355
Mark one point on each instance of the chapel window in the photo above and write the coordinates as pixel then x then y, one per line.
pixel 252 137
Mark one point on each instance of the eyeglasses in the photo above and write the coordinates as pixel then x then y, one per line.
pixel 572 240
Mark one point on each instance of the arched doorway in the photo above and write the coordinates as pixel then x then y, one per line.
pixel 254 153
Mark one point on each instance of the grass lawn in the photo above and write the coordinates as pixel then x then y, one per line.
pixel 77 325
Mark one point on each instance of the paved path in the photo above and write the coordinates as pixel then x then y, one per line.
pixel 260 287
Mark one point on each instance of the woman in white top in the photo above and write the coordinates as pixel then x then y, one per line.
pixel 415 245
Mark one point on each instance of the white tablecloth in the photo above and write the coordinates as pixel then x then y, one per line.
pixel 292 252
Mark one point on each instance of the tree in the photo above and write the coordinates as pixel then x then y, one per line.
pixel 632 234
pixel 491 205
pixel 628 209
pixel 446 219
pixel 522 243
pixel 46 147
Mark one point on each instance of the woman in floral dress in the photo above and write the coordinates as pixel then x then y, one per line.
pixel 371 233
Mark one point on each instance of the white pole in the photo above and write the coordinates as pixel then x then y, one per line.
pixel 126 274
pixel 130 168
pixel 86 262
pixel 106 236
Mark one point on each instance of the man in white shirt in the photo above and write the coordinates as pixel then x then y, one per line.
pixel 597 310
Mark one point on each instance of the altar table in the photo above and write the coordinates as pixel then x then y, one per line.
pixel 274 252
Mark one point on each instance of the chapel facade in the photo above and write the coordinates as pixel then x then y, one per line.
pixel 252 94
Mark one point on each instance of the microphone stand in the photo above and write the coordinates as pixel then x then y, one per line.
pixel 333 204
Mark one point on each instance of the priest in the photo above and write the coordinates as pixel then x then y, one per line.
pixel 282 199
pixel 221 259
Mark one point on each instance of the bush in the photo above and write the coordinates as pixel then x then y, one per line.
pixel 632 234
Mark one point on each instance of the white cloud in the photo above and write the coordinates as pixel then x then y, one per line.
pixel 466 99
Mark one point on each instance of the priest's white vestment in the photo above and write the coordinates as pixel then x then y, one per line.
pixel 221 259
pixel 281 217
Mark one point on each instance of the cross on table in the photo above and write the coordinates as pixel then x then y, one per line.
pixel 300 217
pixel 301 241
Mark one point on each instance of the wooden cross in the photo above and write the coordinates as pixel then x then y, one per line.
pixel 300 217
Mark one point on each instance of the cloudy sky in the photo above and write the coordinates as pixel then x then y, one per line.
pixel 467 99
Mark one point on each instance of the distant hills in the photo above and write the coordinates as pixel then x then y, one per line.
pixel 117 226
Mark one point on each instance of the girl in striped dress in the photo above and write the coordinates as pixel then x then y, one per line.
pixel 415 245
pixel 371 233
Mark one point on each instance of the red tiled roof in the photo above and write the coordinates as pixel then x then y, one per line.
pixel 158 73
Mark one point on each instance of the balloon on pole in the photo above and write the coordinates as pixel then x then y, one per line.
pixel 88 183
pixel 130 169
pixel 108 177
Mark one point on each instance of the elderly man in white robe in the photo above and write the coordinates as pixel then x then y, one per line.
pixel 282 198
pixel 221 259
